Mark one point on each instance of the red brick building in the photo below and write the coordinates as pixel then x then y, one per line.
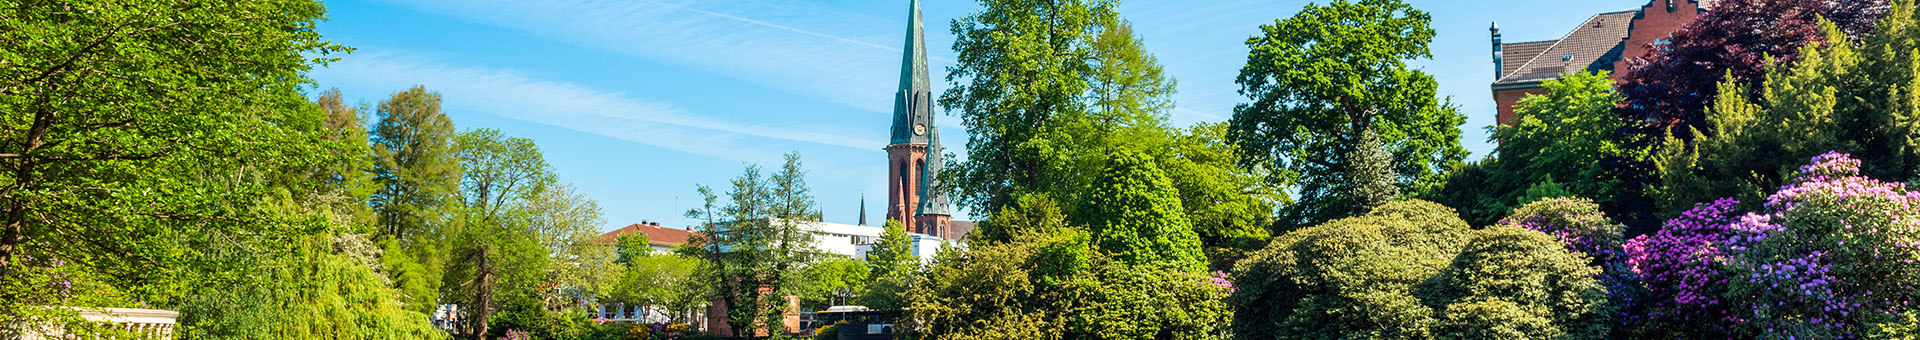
pixel 1604 41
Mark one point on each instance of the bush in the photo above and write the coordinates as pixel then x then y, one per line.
pixel 1831 256
pixel 1349 278
pixel 1414 270
pixel 1579 225
pixel 1514 283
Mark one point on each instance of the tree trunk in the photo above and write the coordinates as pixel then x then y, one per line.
pixel 11 238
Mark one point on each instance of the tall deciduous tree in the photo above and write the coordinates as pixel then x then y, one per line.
pixel 418 170
pixel 757 245
pixel 497 250
pixel 1317 80
pixel 1230 206
pixel 140 138
pixel 1043 88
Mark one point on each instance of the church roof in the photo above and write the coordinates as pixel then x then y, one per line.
pixel 1595 45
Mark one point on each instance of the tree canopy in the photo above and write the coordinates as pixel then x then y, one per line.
pixel 1316 81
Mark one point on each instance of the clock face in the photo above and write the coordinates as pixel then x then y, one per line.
pixel 919 129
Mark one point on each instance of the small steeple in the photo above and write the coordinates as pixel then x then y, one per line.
pixel 863 208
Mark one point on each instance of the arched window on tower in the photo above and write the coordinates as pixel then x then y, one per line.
pixel 906 184
pixel 919 166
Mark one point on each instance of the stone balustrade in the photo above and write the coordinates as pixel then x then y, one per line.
pixel 147 323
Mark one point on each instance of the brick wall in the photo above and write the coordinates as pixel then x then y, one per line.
pixel 1657 20
pixel 1507 99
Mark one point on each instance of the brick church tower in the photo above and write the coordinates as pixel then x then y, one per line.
pixel 915 196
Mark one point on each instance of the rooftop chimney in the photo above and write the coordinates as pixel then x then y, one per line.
pixel 1496 51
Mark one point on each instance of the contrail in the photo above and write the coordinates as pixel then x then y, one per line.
pixel 777 26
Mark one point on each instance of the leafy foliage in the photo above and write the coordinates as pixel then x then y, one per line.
pixel 1677 81
pixel 1231 207
pixel 1352 277
pixel 892 269
pixel 1580 226
pixel 758 253
pixel 150 148
pixel 1412 270
pixel 1318 80
pixel 1560 144
pixel 416 166
pixel 1137 218
pixel 325 294
pixel 1515 283
pixel 1049 282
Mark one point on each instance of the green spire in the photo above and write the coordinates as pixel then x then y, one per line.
pixel 913 105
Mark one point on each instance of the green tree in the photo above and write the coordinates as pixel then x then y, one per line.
pixel 323 292
pixel 142 139
pixel 1349 278
pixel 669 281
pixel 1370 175
pixel 417 168
pixel 831 281
pixel 1318 80
pixel 567 223
pixel 1005 290
pixel 498 250
pixel 632 246
pixel 1137 217
pixel 1413 270
pixel 757 252
pixel 1045 88
pixel 1556 145
pixel 1230 206
pixel 1049 282
pixel 892 269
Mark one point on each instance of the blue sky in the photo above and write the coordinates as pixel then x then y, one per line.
pixel 636 101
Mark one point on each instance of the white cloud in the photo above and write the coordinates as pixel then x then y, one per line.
pixel 793 46
pixel 513 95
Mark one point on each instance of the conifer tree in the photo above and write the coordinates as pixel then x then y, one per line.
pixel 1370 174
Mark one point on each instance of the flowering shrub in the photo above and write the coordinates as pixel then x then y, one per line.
pixel 1580 226
pixel 1219 279
pixel 1833 253
pixel 516 335
pixel 1682 267
pixel 1831 256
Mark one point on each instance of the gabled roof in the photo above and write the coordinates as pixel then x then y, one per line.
pixel 656 235
pixel 1595 45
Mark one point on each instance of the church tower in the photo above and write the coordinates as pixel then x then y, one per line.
pixel 915 196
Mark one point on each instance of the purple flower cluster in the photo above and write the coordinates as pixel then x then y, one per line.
pixel 1219 279
pixel 516 335
pixel 1828 253
pixel 1682 265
